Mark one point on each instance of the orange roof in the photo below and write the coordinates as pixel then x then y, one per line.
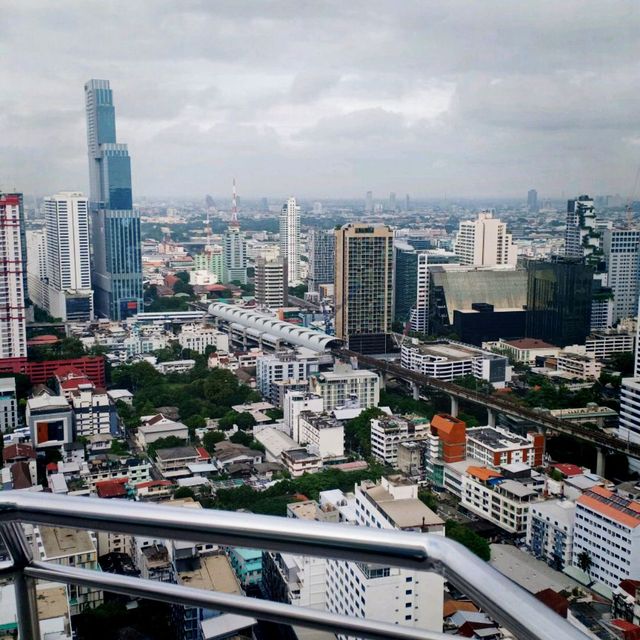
pixel 611 510
pixel 446 423
pixel 482 473
pixel 154 483
pixel 451 606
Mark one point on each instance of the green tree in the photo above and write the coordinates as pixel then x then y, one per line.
pixel 468 538
pixel 358 431
pixel 183 492
pixel 211 439
pixel 245 420
pixel 119 448
pixel 165 443
pixel 240 437
pixel 428 498
pixel 623 362
pixel 585 562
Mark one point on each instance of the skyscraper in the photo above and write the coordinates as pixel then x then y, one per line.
pixel 622 256
pixel 406 281
pixel 13 343
pixel 290 238
pixel 368 202
pixel 117 263
pixel 322 251
pixel 581 238
pixel 364 286
pixel 559 296
pixel 271 282
pixel 68 269
pixel 234 247
pixel 392 202
pixel 485 242
pixel 532 201
pixel 37 267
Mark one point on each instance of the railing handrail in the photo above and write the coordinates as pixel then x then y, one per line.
pixel 502 599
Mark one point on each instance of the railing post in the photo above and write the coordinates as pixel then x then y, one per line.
pixel 25 587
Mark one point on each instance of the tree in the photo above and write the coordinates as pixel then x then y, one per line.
pixel 245 420
pixel 358 431
pixel 211 439
pixel 428 498
pixel 623 362
pixel 183 492
pixel 298 291
pixel 585 562
pixel 165 443
pixel 468 538
pixel 119 448
pixel 240 437
pixel 228 420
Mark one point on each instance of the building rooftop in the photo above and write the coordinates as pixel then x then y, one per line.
pixel 612 506
pixel 275 441
pixel 404 513
pixel 558 510
pixel 529 343
pixel 320 420
pixel 299 454
pixel 517 488
pixel 497 438
pixel 212 573
pixel 59 542
pixel 482 473
pixel 52 601
pixel 48 403
pixel 443 350
pixel 305 510
pixel 174 453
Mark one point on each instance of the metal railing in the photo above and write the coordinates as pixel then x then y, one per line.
pixel 500 598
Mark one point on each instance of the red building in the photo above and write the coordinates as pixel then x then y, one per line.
pixel 39 372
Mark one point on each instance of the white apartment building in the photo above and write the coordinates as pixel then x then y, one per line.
pixel 576 365
pixel 300 461
pixel 484 242
pixel 603 344
pixel 68 260
pixel 494 446
pixel 295 402
pixel 621 249
pixel 322 434
pixel 550 532
pixel 447 360
pixel 197 337
pixel 93 412
pixel 73 548
pixel 397 596
pixel 522 350
pixel 8 405
pixel 13 338
pixel 345 387
pixel 607 528
pixel 502 501
pixel 283 366
pixel 271 282
pixel 37 267
pixel 290 239
pixel 387 432
pixel 629 425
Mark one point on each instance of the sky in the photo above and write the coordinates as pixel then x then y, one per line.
pixel 328 98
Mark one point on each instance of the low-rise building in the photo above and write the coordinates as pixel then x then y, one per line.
pixel 550 532
pixel 299 461
pixel 387 432
pixel 410 460
pixel 296 402
pixel 175 366
pixel 197 337
pixel 286 365
pixel 50 421
pixel 173 462
pixel 577 365
pixel 323 434
pixel 247 565
pixel 92 411
pixel 345 386
pixel 603 344
pixel 155 427
pixel 524 350
pixel 447 360
pixel 495 446
pixel 8 405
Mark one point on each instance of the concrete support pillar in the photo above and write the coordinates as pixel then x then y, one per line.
pixel 491 417
pixel 415 390
pixel 383 381
pixel 600 460
pixel 454 406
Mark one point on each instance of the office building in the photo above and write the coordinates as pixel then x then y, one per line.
pixel 559 296
pixel 398 596
pixel 68 270
pixel 197 337
pixel 322 248
pixel 210 260
pixel 271 282
pixel 368 202
pixel 283 366
pixel 622 256
pixel 550 532
pixel 484 242
pixel 13 341
pixel 8 405
pixel 581 238
pixel 607 529
pixel 290 238
pixel 532 201
pixel 393 206
pixel 37 267
pixel 117 262
pixel 346 387
pixel 409 284
pixel 364 286
pixel 234 248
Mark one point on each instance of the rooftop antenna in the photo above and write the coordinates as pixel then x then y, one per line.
pixel 234 207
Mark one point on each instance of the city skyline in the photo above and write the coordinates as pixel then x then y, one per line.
pixel 530 111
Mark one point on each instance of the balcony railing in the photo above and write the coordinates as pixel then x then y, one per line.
pixel 500 598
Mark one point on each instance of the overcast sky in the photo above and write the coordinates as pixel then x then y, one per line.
pixel 328 98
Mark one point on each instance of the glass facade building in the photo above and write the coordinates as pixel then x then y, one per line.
pixel 117 262
pixel 322 255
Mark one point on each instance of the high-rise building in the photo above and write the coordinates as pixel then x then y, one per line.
pixel 581 237
pixel 322 250
pixel 37 267
pixel 364 286
pixel 234 247
pixel 406 281
pixel 368 202
pixel 68 271
pixel 13 339
pixel 271 282
pixel 117 261
pixel 532 201
pixel 407 203
pixel 629 425
pixel 290 238
pixel 622 256
pixel 559 296
pixel 392 202
pixel 211 261
pixel 485 242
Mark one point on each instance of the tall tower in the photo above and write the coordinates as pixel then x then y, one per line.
pixel 68 263
pixel 368 203
pixel 364 286
pixel 290 238
pixel 234 247
pixel 532 201
pixel 622 256
pixel 271 282
pixel 581 239
pixel 12 303
pixel 322 250
pixel 485 242
pixel 117 261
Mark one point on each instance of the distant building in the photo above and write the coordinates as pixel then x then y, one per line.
pixel 271 282
pixel 622 255
pixel 581 238
pixel 368 202
pixel 198 336
pixel 290 238
pixel 322 248
pixel 532 201
pixel 485 242
pixel 283 366
pixel 364 286
pixel 234 264
pixel 345 387
pixel 559 301
pixel 524 349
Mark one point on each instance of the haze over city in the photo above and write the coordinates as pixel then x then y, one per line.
pixel 328 99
